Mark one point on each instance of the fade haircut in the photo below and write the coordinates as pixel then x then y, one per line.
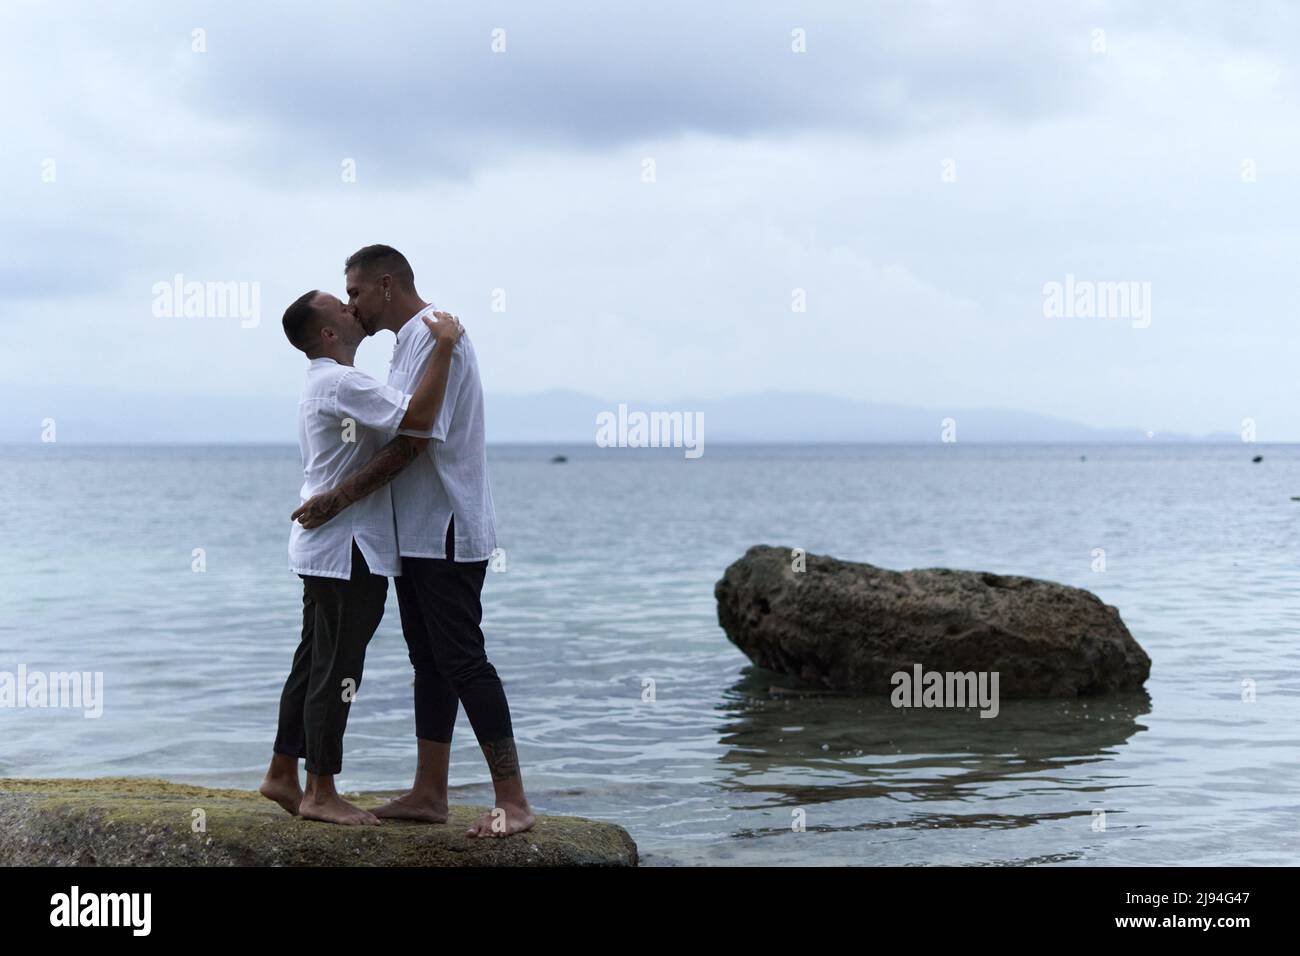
pixel 302 321
pixel 372 261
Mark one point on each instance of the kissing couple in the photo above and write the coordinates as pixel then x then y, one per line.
pixel 395 485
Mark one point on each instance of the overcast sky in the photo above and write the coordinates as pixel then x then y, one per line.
pixel 921 170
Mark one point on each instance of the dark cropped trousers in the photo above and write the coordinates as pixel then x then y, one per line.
pixel 338 620
pixel 441 615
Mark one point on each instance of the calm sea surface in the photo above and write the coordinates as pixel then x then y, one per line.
pixel 611 561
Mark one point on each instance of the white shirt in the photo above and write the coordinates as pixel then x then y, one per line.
pixel 450 478
pixel 344 418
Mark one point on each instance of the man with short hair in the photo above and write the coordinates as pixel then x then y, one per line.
pixel 446 532
pixel 344 418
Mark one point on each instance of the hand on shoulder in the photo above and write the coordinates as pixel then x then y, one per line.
pixel 446 329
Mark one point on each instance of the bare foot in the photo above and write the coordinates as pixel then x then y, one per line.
pixel 410 806
pixel 503 821
pixel 334 809
pixel 287 793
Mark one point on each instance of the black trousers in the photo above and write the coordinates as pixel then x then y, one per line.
pixel 338 620
pixel 441 612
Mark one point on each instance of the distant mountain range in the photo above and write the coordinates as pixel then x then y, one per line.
pixel 802 417
pixel 556 417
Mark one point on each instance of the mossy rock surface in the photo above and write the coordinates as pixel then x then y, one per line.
pixel 127 821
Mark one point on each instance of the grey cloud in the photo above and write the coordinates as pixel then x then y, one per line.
pixel 414 91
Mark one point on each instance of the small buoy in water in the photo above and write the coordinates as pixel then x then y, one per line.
pixel 1257 459
pixel 1083 458
pixel 558 460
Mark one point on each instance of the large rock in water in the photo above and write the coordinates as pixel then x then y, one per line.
pixel 121 821
pixel 851 626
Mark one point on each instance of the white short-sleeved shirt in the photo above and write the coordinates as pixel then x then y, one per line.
pixel 344 418
pixel 451 477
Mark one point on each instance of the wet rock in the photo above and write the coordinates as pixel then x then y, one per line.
pixel 850 626
pixel 119 821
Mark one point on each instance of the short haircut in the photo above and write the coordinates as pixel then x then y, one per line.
pixel 373 261
pixel 302 321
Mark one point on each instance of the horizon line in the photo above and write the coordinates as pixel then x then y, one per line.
pixel 729 442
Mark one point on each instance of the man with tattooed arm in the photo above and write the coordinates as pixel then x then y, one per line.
pixel 446 532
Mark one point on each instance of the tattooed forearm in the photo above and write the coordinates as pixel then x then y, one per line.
pixel 379 471
pixel 502 758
